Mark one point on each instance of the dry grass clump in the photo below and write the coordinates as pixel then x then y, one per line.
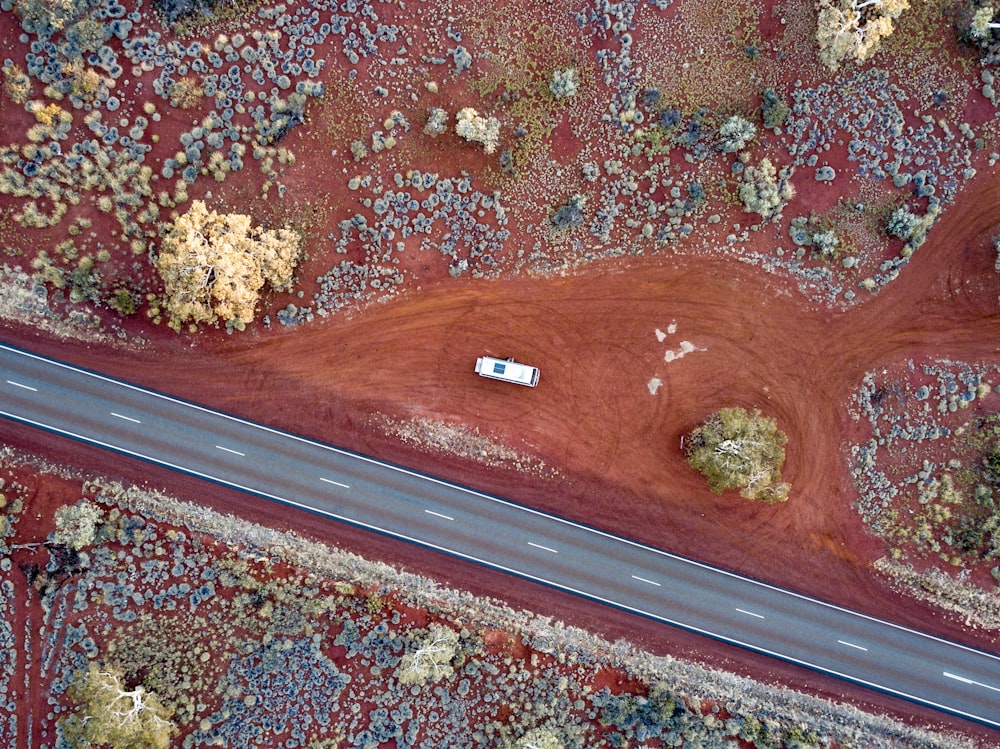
pixel 461 441
pixel 977 607
pixel 186 93
pixel 16 83
pixel 84 82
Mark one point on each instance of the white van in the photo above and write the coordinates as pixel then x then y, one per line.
pixel 507 370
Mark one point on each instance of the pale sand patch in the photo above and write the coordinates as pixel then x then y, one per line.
pixel 686 347
pixel 671 329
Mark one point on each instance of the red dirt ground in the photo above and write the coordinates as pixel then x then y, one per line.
pixel 593 416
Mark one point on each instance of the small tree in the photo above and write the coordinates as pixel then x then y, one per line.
pixel 16 83
pixel 437 122
pixel 77 525
pixel 430 655
pixel 739 449
pixel 903 223
pixel 564 84
pixel 853 29
pixel 538 738
pixel 112 715
pixel 186 93
pixel 983 26
pixel 764 190
pixel 735 133
pixel 48 17
pixel 773 109
pixel 215 265
pixel 472 127
pixel 826 244
pixel 570 214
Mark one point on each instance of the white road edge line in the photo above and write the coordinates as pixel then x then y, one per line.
pixel 962 679
pixel 750 613
pixel 512 570
pixel 228 450
pixel 852 645
pixel 644 580
pixel 439 515
pixel 543 548
pixel 126 418
pixel 488 497
pixel 335 483
pixel 19 385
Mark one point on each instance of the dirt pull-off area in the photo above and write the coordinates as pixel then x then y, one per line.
pixel 597 340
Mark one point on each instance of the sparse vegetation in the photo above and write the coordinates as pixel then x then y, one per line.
pixel 616 134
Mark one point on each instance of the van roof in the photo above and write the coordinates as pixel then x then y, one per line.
pixel 510 371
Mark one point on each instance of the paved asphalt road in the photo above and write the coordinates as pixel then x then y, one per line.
pixel 352 488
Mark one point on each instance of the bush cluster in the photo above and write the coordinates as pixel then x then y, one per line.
pixel 764 190
pixel 735 133
pixel 773 109
pixel 473 127
pixel 739 449
pixel 564 83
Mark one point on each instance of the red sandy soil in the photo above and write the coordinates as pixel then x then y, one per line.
pixel 592 415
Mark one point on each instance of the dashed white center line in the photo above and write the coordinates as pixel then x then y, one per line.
pixel 335 483
pixel 543 548
pixel 439 515
pixel 970 681
pixel 644 580
pixel 852 645
pixel 750 613
pixel 234 452
pixel 19 385
pixel 126 418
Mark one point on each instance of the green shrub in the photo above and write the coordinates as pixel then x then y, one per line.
pixel 739 449
pixel 735 134
pixel 16 83
pixel 902 223
pixel 773 109
pixel 764 190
